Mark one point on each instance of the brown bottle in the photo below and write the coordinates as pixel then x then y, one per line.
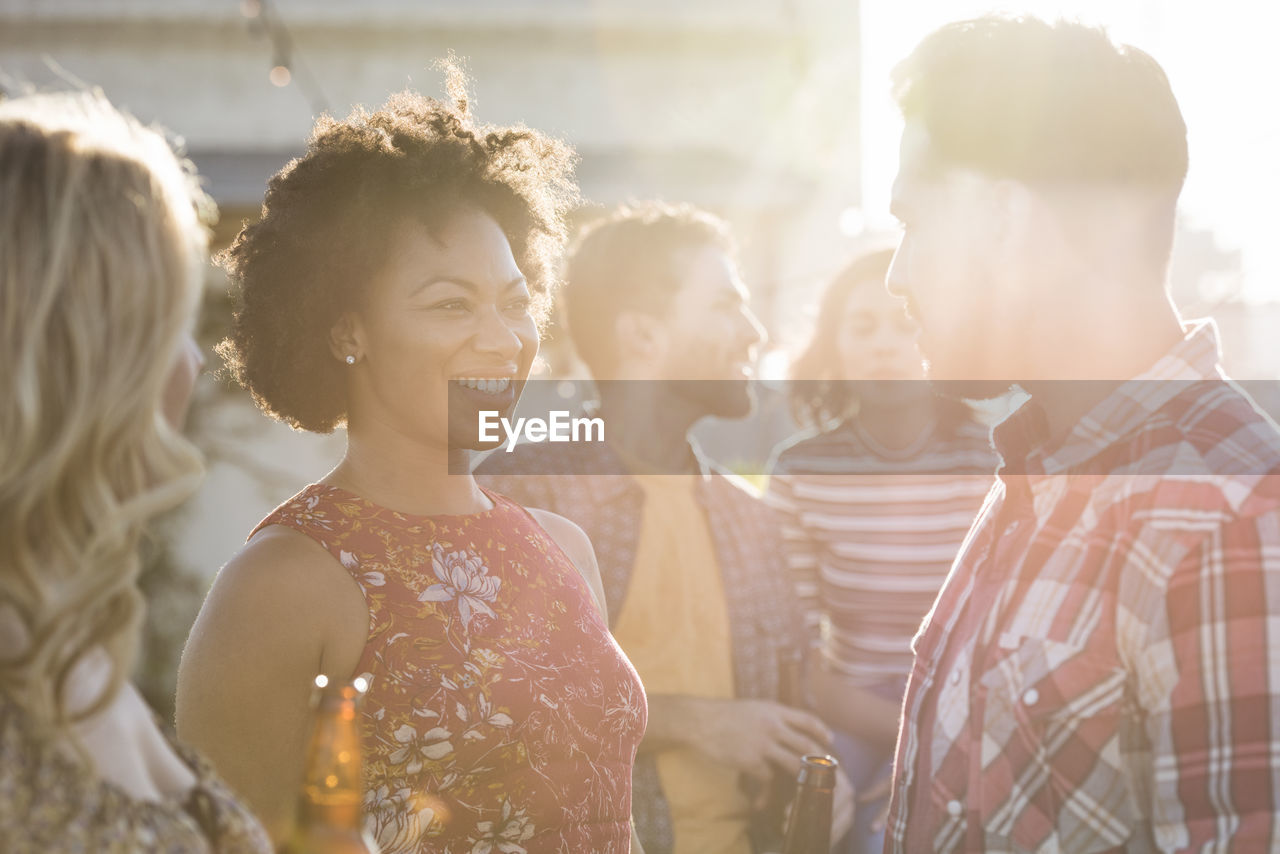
pixel 767 823
pixel 809 828
pixel 330 817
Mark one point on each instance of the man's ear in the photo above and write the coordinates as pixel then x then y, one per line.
pixel 639 336
pixel 1014 210
pixel 346 338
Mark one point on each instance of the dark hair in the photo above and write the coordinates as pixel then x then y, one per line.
pixel 818 394
pixel 1039 102
pixel 329 216
pixel 624 262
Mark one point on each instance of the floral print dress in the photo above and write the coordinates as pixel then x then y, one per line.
pixel 501 716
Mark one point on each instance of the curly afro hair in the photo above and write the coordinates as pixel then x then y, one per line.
pixel 328 217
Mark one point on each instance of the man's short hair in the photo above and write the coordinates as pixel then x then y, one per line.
pixel 626 262
pixel 1042 103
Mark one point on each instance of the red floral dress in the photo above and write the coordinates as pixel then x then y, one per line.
pixel 501 715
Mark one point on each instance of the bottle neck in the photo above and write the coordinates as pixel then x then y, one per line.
pixel 333 789
pixel 809 828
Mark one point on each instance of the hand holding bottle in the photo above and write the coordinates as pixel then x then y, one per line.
pixel 754 736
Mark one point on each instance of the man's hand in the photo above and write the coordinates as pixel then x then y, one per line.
pixel 756 736
pixel 843 808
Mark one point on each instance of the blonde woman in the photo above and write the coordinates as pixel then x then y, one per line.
pixel 101 251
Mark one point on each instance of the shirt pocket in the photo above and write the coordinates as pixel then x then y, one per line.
pixel 1051 770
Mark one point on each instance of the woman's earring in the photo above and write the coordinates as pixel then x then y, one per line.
pixel 351 360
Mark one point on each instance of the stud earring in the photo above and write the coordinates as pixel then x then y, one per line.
pixel 351 360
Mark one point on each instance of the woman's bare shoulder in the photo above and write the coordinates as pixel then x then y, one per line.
pixel 284 590
pixel 283 561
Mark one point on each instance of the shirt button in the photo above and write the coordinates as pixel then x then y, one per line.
pixel 1031 697
pixel 954 808
pixel 955 676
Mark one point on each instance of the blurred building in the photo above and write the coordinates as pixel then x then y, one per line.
pixel 749 107
pixel 1207 280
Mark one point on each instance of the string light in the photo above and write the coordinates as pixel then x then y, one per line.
pixel 852 222
pixel 288 66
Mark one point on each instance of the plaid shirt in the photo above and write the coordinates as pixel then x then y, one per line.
pixel 1101 671
pixel 589 486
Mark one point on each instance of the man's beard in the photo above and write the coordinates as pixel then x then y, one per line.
pixel 972 389
pixel 734 398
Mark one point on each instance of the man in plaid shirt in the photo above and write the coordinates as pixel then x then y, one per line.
pixel 1101 671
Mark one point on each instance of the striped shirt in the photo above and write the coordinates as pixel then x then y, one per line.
pixel 1101 671
pixel 870 535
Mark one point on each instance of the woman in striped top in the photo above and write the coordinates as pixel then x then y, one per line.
pixel 875 498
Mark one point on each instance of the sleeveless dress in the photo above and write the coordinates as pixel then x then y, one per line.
pixel 50 802
pixel 501 716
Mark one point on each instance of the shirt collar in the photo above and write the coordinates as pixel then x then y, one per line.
pixel 1020 439
pixel 619 481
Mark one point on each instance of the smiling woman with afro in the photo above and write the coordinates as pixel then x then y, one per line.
pixel 396 283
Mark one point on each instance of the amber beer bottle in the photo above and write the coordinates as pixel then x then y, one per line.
pixel 767 822
pixel 809 827
pixel 330 816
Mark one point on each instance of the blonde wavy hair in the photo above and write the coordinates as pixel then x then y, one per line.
pixel 102 253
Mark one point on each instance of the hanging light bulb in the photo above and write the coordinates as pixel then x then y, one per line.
pixel 250 8
pixel 852 222
pixel 280 75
